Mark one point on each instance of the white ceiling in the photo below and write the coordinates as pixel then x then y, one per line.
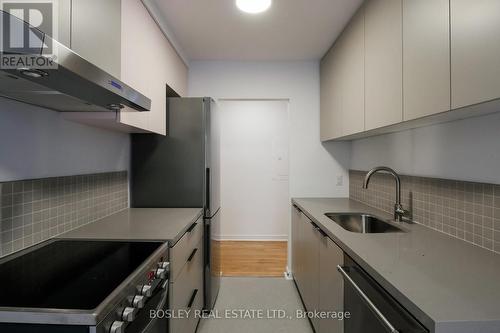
pixel 217 30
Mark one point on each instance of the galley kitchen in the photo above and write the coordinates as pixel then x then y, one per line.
pixel 249 166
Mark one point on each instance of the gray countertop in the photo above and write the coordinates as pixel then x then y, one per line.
pixel 165 224
pixel 446 283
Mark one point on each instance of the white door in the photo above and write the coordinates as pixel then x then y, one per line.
pixel 254 170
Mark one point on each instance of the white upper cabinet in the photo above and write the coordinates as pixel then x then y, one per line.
pixel 383 63
pixel 330 96
pixel 148 63
pixel 64 22
pixel 342 83
pixel 423 60
pixel 122 38
pixel 475 51
pixel 353 75
pixel 95 33
pixel 426 58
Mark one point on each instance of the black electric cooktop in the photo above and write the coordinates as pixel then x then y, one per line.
pixel 70 274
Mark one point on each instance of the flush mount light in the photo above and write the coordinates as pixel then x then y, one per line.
pixel 253 6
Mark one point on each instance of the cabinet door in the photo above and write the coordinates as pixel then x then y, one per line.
pixel 342 83
pixel 64 22
pixel 331 285
pixel 186 292
pixel 383 63
pixel 96 32
pixel 149 64
pixel 353 75
pixel 296 251
pixel 426 58
pixel 303 265
pixel 330 96
pixel 475 51
pixel 311 268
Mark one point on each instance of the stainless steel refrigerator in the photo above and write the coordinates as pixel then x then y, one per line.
pixel 182 170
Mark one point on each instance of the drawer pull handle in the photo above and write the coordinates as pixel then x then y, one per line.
pixel 192 255
pixel 318 229
pixel 192 227
pixel 193 297
pixel 322 233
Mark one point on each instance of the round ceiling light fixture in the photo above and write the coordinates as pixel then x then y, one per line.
pixel 253 6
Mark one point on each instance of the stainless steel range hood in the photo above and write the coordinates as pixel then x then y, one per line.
pixel 71 84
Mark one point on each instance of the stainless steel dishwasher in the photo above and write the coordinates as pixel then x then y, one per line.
pixel 371 308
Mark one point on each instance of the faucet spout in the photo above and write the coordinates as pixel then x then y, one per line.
pixel 399 212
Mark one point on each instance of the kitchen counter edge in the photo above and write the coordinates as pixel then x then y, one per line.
pixel 139 224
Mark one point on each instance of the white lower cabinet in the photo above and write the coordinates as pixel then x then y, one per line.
pixel 297 260
pixel 331 286
pixel 314 261
pixel 310 248
pixel 186 279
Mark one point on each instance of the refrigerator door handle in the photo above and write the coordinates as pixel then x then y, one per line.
pixel 207 194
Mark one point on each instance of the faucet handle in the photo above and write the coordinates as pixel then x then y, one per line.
pixel 402 215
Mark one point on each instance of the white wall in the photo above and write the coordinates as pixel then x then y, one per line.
pixel 314 167
pixel 467 149
pixel 36 143
pixel 254 164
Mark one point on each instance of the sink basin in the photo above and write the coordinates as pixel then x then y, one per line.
pixel 362 223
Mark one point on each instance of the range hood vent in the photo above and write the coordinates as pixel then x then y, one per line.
pixel 69 84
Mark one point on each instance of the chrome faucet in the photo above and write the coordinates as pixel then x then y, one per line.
pixel 400 214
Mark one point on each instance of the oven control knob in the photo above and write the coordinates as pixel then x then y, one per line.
pixel 128 314
pixel 138 302
pixel 145 290
pixel 161 273
pixel 117 327
pixel 163 264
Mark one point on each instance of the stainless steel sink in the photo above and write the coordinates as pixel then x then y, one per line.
pixel 362 223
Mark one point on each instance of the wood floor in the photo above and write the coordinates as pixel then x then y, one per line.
pixel 246 258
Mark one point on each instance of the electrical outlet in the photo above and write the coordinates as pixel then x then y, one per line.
pixel 340 180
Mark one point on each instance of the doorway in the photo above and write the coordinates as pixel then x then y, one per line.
pixel 254 187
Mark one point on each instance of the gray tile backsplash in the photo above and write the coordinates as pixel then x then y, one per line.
pixel 465 210
pixel 32 211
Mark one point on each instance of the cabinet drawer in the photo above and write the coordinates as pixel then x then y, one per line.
pixel 193 320
pixel 187 293
pixel 182 250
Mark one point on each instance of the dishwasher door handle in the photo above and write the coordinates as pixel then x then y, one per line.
pixel 368 301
